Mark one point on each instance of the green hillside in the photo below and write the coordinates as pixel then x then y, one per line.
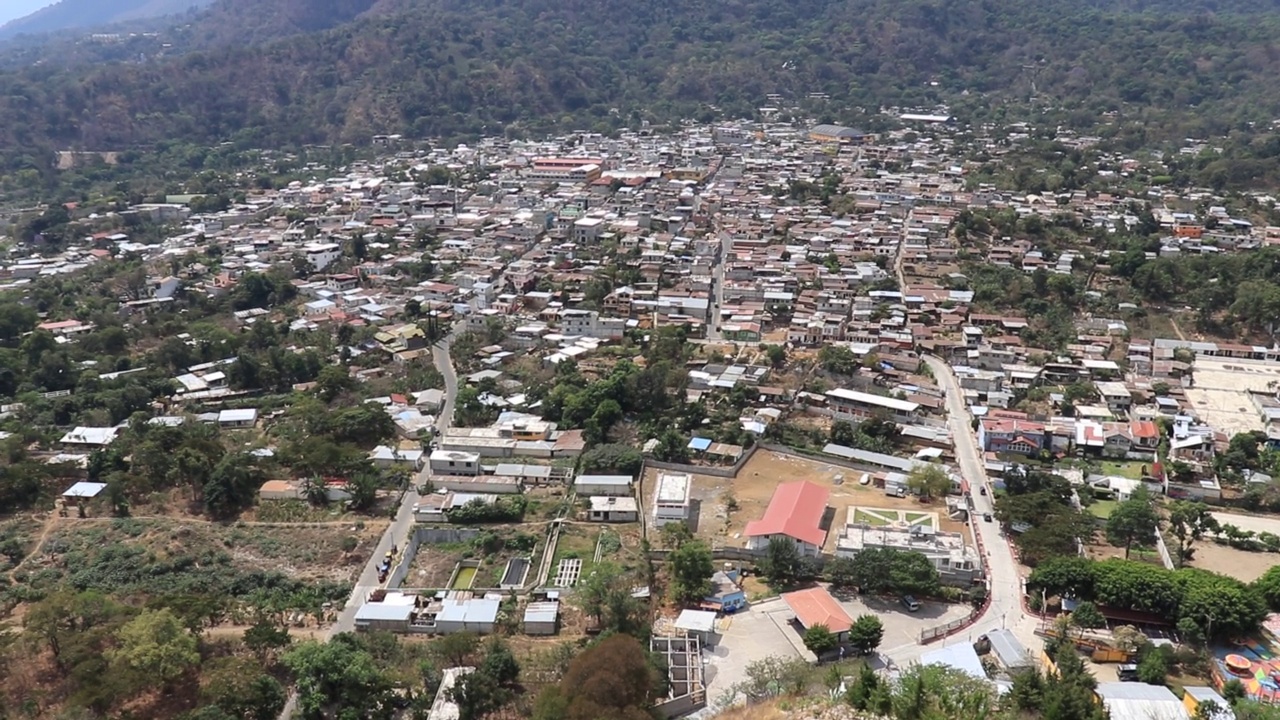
pixel 444 67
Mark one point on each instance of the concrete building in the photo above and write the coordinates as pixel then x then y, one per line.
pixel 471 614
pixel 614 509
pixel 957 563
pixel 391 614
pixel 671 500
pixel 853 406
pixel 727 594
pixel 700 624
pixel 603 485
pixel 1140 701
pixel 454 462
pixel 241 418
pixel 541 618
pixel 687 690
pixel 322 255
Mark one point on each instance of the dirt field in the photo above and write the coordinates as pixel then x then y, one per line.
pixel 1103 551
pixel 754 486
pixel 176 548
pixel 434 564
pixel 1239 564
pixel 1221 392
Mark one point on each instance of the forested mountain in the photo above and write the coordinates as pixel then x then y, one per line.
pixel 80 14
pixel 446 67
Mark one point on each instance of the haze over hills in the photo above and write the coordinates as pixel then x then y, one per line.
pixel 84 14
pixel 15 9
pixel 341 70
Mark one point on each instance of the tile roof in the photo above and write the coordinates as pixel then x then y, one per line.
pixel 815 606
pixel 796 511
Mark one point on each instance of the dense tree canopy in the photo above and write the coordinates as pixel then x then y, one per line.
pixel 448 61
pixel 612 679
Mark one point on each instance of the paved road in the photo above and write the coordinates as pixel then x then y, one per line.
pixel 1002 570
pixel 717 274
pixel 397 533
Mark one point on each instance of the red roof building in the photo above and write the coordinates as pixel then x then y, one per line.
pixel 795 511
pixel 815 606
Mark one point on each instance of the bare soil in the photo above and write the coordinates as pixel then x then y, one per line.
pixel 754 485
pixel 1239 564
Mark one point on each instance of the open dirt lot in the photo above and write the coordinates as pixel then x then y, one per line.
pixel 434 564
pixel 137 553
pixel 1221 392
pixel 754 485
pixel 1239 564
pixel 1252 523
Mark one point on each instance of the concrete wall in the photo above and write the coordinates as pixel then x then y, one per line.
pixel 427 536
pixel 712 470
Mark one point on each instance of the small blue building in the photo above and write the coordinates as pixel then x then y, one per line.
pixel 727 594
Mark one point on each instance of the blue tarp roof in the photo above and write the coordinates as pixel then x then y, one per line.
pixel 699 443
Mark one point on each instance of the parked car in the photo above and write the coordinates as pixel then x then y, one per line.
pixel 1127 672
pixel 910 603
pixel 986 517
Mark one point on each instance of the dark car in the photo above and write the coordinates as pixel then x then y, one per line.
pixel 910 603
pixel 986 517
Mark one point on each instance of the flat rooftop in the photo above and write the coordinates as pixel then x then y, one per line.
pixel 673 488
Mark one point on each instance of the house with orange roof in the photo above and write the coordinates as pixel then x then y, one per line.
pixel 795 513
pixel 815 606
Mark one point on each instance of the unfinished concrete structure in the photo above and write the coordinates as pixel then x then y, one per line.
pixel 684 670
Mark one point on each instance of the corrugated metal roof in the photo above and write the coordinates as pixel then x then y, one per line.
pixel 542 612
pixel 1008 649
pixel 1140 701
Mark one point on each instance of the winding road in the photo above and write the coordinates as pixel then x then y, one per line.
pixel 1004 581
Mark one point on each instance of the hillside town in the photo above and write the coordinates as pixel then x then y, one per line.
pixel 892 410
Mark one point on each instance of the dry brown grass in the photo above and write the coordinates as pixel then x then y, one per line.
pixel 763 711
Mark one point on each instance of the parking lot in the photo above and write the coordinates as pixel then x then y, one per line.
pixel 767 629
pixel 761 631
pixel 902 628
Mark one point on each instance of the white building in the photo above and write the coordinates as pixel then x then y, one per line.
pixel 541 617
pixel 241 418
pixel 389 457
pixel 853 406
pixel 671 501
pixel 603 485
pixel 90 437
pixel 614 509
pixel 587 229
pixel 454 462
pixel 322 255
pixel 474 614
pixel 957 563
